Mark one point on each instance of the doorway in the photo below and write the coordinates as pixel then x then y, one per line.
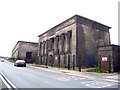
pixel 28 57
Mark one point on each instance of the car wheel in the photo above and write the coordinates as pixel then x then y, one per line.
pixel 14 65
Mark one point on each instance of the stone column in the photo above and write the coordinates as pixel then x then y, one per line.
pixel 59 44
pixel 67 42
pixel 46 52
pixel 52 43
pixel 43 48
pixel 48 44
pixel 41 52
pixel 68 56
pixel 55 45
pixel 56 42
pixel 62 43
pixel 59 50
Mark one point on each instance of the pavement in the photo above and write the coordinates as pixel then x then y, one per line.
pixel 110 77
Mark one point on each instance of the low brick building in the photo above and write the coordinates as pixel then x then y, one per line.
pixel 109 58
pixel 25 50
pixel 73 43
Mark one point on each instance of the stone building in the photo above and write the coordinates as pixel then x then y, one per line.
pixel 73 43
pixel 109 56
pixel 25 50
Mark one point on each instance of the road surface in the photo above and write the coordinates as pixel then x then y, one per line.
pixel 27 77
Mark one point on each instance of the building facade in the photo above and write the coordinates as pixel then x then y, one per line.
pixel 109 58
pixel 73 43
pixel 25 50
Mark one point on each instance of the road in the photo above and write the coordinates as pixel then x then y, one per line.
pixel 27 77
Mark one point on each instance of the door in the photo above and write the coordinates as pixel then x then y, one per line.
pixel 29 56
pixel 105 63
pixel 90 60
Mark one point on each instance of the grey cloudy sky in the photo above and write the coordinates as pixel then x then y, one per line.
pixel 24 20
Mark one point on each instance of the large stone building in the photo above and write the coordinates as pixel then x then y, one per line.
pixel 73 43
pixel 25 50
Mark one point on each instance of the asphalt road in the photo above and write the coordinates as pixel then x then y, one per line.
pixel 27 77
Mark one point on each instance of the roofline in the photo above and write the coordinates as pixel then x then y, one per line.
pixel 23 42
pixel 57 25
pixel 93 21
pixel 110 45
pixel 28 42
pixel 76 15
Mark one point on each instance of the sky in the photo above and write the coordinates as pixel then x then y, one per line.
pixel 24 20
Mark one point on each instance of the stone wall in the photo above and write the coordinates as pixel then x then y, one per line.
pixel 15 53
pixel 28 47
pixel 22 48
pixel 88 41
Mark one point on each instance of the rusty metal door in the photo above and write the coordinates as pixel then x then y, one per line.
pixel 105 63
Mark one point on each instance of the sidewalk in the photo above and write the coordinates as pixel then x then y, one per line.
pixel 110 77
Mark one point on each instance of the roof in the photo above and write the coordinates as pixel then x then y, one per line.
pixel 27 42
pixel 24 42
pixel 112 45
pixel 82 19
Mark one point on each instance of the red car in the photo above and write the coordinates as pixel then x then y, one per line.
pixel 20 63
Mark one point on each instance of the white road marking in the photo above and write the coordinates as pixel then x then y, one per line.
pixel 67 78
pixel 112 80
pixel 19 67
pixel 6 84
pixel 8 81
pixel 62 79
pixel 108 85
pixel 97 84
pixel 75 79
